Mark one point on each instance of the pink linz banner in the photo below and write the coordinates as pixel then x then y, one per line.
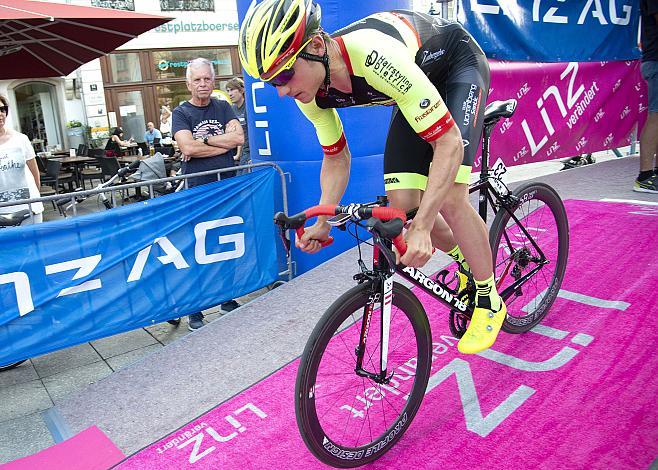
pixel 565 109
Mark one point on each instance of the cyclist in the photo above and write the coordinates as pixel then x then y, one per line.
pixel 438 77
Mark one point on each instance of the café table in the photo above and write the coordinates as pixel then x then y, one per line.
pixel 75 162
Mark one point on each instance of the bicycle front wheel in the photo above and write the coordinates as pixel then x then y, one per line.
pixel 531 254
pixel 345 419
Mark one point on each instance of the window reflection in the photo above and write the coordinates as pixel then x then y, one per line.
pixel 125 67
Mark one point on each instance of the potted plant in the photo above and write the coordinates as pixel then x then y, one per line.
pixel 75 131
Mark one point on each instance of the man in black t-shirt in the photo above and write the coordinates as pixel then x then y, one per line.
pixel 206 129
pixel 647 180
pixel 207 133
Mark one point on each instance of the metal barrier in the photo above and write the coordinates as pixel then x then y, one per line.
pixel 76 197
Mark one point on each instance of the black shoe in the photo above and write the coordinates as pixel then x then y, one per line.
pixel 195 321
pixel 174 321
pixel 229 306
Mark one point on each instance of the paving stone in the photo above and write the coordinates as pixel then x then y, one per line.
pixel 23 399
pixel 60 386
pixel 69 358
pixel 166 333
pixel 18 375
pixel 122 360
pixel 23 436
pixel 123 343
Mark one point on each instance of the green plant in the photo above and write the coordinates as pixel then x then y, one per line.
pixel 74 123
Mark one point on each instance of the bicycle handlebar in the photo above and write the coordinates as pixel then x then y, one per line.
pixel 356 212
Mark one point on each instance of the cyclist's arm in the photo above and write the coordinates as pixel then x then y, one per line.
pixel 335 172
pixel 448 155
pixel 334 176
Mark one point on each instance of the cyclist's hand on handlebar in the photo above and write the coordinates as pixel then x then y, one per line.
pixel 313 235
pixel 419 248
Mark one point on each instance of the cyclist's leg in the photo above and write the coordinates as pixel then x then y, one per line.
pixel 466 94
pixel 405 178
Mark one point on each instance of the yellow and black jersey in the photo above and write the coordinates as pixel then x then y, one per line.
pixel 389 66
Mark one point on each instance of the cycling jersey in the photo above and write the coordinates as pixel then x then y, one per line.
pixel 432 69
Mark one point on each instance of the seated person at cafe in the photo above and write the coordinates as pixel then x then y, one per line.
pixel 151 134
pixel 115 142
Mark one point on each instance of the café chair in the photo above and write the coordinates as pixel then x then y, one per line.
pixel 56 178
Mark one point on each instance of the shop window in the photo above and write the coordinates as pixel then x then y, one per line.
pixel 125 67
pixel 116 4
pixel 187 5
pixel 173 64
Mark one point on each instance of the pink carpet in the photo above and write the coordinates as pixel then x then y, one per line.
pixel 88 450
pixel 580 392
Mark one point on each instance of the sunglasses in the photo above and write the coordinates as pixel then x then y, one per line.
pixel 282 78
pixel 4 109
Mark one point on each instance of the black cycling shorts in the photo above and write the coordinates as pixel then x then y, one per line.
pixel 464 87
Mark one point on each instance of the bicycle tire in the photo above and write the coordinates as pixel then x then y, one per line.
pixel 538 203
pixel 324 443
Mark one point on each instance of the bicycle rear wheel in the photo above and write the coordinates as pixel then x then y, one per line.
pixel 541 212
pixel 347 420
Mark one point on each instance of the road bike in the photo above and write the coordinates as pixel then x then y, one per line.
pixel 365 367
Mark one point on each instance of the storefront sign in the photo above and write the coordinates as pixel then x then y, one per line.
pixel 219 28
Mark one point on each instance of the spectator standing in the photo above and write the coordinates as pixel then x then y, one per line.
pixel 151 134
pixel 19 173
pixel 647 180
pixel 235 90
pixel 165 121
pixel 208 133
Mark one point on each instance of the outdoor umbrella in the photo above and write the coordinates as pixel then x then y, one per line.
pixel 41 39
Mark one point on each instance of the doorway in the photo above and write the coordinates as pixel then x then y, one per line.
pixel 38 117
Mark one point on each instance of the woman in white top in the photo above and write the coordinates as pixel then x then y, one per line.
pixel 19 174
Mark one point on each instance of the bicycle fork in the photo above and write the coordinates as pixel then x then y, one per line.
pixel 383 295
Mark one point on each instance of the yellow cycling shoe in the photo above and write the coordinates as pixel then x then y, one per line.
pixel 482 331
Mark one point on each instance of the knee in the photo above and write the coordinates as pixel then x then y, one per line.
pixel 455 202
pixel 404 199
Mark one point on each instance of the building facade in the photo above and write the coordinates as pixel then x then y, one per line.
pixel 130 86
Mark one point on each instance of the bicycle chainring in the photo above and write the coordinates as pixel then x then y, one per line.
pixel 458 323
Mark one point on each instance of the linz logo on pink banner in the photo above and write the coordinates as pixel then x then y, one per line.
pixel 560 104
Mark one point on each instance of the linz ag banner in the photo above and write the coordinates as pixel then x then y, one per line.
pixel 565 109
pixel 67 282
pixel 553 30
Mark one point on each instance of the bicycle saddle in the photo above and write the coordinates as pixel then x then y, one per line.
pixel 498 109
pixel 14 218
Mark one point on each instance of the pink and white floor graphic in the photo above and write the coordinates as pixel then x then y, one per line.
pixel 579 391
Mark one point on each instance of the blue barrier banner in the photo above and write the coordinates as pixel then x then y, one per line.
pixel 554 30
pixel 67 282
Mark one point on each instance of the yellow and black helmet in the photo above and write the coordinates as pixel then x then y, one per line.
pixel 274 32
